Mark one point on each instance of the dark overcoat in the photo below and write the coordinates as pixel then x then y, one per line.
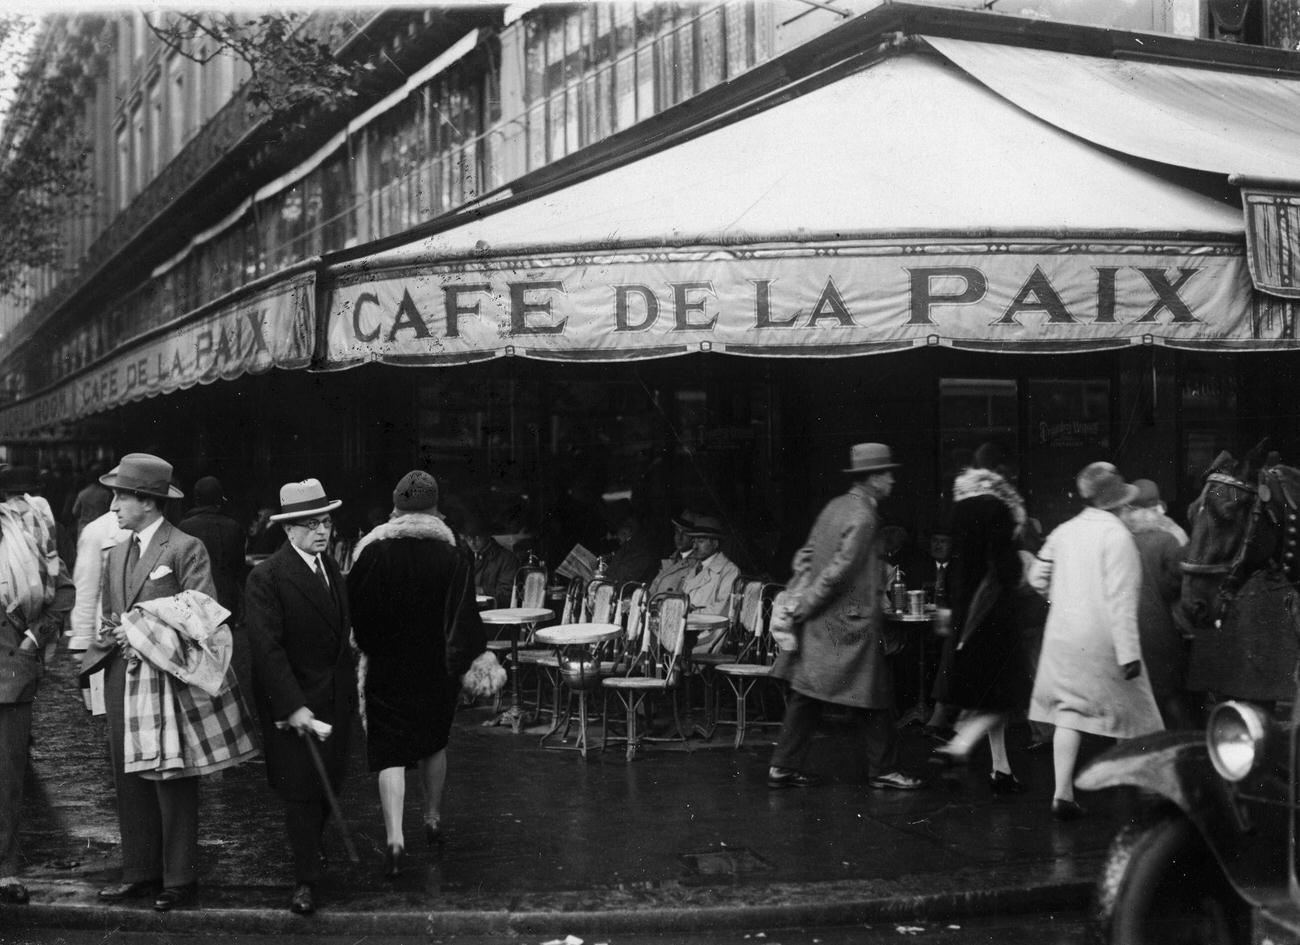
pixel 837 577
pixel 224 539
pixel 414 617
pixel 990 670
pixel 298 633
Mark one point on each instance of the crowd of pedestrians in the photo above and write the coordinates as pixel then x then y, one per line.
pixel 1072 632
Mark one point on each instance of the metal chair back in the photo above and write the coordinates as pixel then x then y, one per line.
pixel 664 637
pixel 600 602
pixel 572 610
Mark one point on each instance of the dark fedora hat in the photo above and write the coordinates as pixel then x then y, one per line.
pixel 16 479
pixel 303 500
pixel 706 526
pixel 684 520
pixel 143 473
pixel 870 457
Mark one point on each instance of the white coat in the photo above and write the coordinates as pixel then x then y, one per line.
pixel 1091 572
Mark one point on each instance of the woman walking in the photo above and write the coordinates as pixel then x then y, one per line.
pixel 1090 675
pixel 417 626
pixel 983 655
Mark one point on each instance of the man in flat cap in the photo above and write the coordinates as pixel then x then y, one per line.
pixel 304 673
pixel 158 817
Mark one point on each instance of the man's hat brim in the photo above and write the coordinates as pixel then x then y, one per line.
pixel 327 505
pixel 114 482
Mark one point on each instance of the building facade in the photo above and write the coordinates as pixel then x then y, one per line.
pixel 189 316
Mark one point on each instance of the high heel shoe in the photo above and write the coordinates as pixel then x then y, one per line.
pixel 1066 810
pixel 393 861
pixel 433 833
pixel 1003 782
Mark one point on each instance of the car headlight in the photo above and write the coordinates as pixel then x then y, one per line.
pixel 1235 737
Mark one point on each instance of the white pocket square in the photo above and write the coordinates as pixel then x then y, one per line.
pixel 160 572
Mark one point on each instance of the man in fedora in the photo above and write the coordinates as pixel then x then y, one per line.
pixel 159 819
pixel 710 578
pixel 304 673
pixel 674 568
pixel 35 596
pixel 840 657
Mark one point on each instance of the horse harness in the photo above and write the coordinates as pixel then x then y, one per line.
pixel 1277 504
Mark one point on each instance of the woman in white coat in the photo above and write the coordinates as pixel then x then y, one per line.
pixel 1090 675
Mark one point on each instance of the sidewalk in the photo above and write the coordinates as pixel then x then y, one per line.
pixel 541 842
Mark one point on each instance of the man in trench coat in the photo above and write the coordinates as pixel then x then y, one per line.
pixel 304 673
pixel 841 657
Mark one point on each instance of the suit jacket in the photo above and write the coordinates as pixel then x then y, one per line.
pixel 298 632
pixel 173 562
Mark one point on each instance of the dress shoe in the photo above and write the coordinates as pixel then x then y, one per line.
pixel 393 861
pixel 173 896
pixel 433 833
pixel 121 891
pixel 778 778
pixel 1066 810
pixel 13 893
pixel 895 781
pixel 303 901
pixel 1001 782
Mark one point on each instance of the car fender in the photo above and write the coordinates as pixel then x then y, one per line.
pixel 1249 842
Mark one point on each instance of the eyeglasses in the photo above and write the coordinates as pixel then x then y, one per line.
pixel 312 524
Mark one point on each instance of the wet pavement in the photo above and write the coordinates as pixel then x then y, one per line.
pixel 540 841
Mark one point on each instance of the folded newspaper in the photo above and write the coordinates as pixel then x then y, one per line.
pixel 578 563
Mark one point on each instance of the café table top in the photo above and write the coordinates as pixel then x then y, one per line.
pixel 482 599
pixel 909 618
pixel 576 634
pixel 706 621
pixel 510 615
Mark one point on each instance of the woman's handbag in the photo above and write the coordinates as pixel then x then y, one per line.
pixel 485 677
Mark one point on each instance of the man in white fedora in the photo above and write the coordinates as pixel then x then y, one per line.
pixel 840 657
pixel 159 819
pixel 304 673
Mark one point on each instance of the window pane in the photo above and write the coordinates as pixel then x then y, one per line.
pixel 710 66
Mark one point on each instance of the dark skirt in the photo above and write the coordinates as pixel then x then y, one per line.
pixel 402 728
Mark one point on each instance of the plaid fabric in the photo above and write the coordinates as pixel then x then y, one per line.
pixel 175 729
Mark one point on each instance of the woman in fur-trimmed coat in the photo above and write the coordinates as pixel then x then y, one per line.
pixel 414 618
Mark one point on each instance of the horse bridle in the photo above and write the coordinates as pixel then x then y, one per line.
pixel 1233 566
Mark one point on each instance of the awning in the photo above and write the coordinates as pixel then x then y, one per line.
pixel 904 205
pixel 274 327
pixel 1244 126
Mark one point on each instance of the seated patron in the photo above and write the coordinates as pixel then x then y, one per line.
pixel 674 568
pixel 710 581
pixel 635 558
pixel 494 564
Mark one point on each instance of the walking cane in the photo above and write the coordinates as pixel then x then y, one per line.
pixel 333 801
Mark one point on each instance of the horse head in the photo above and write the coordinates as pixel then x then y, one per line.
pixel 1220 553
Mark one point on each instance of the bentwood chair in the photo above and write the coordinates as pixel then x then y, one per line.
pixel 754 663
pixel 528 590
pixel 571 612
pixel 656 668
pixel 745 608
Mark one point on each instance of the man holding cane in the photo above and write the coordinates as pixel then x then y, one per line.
pixel 296 611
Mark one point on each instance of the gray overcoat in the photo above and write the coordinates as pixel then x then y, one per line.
pixel 837 577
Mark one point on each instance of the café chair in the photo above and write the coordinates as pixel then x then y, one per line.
pixel 599 602
pixel 753 664
pixel 655 669
pixel 528 590
pixel 571 612
pixel 746 606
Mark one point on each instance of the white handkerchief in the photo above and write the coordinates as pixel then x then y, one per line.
pixel 160 572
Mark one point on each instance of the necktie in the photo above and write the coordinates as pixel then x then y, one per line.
pixel 699 567
pixel 320 573
pixel 133 555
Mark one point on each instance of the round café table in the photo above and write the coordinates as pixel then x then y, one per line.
pixel 512 620
pixel 697 624
pixel 919 712
pixel 569 636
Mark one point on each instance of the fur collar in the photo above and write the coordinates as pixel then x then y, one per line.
pixel 408 525
pixel 976 482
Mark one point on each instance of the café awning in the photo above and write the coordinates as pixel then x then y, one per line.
pixel 906 204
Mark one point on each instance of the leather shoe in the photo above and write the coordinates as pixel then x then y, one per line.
pixel 13 894
pixel 303 901
pixel 788 777
pixel 120 891
pixel 895 781
pixel 1005 783
pixel 393 861
pixel 173 896
pixel 1066 810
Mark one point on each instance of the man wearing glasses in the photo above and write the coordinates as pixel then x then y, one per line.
pixel 296 610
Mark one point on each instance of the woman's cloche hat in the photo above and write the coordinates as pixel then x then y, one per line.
pixel 304 499
pixel 1104 488
pixel 143 473
pixel 870 457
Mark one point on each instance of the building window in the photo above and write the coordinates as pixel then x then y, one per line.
pixel 124 191
pixel 177 113
pixel 156 158
pixel 139 152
